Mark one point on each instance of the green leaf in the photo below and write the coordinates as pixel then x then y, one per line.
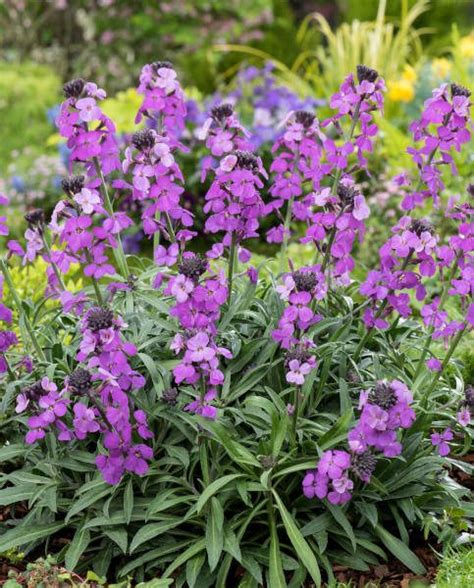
pixel 9 452
pixel 119 537
pixel 343 521
pixel 400 551
pixel 339 429
pixel 214 533
pixel 193 550
pixel 276 575
pixel 128 501
pixel 213 488
pixel 87 500
pixel 153 530
pixel 76 548
pixel 193 567
pixel 231 543
pixel 16 494
pixel 27 534
pixel 300 545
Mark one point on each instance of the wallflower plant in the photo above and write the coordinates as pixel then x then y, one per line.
pixel 191 416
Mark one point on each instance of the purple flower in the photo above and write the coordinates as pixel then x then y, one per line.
pixel 440 440
pixel 464 417
pixel 136 459
pixel 434 364
pixel 84 421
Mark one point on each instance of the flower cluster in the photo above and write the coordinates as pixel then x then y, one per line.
pixel 357 100
pixel 89 132
pixel 163 100
pixel 444 127
pixel 223 133
pixel 157 181
pixel 105 352
pixel 48 407
pixel 412 247
pixel 299 289
pixel 385 410
pixel 100 396
pixel 199 298
pixel 233 202
pixel 331 478
pixel 297 161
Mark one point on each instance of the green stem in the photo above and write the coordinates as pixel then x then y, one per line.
pixel 452 348
pixel 442 300
pixel 98 294
pixel 169 226
pixel 11 375
pixel 22 316
pixel 119 253
pixel 156 236
pixel 53 265
pixel 231 266
pixel 286 236
pixel 296 407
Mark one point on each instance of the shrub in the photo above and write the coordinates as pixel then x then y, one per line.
pixel 211 422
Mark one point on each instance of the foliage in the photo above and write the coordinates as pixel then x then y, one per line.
pixel 26 92
pixel 456 569
pixel 382 45
pixel 179 411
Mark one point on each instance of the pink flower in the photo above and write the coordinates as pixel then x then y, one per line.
pixel 88 109
pixel 297 372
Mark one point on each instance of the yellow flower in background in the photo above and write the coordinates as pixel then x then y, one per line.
pixel 122 109
pixel 403 89
pixel 409 74
pixel 400 90
pixel 466 45
pixel 441 67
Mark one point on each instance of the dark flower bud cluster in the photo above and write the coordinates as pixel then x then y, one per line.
pixel 247 160
pixel 99 318
pixel 383 395
pixel 80 381
pixel 363 465
pixel 458 90
pixel 305 118
pixel 268 462
pixel 347 195
pixel 170 396
pixel 305 281
pixel 72 184
pixel 298 352
pixel 366 74
pixel 35 218
pixel 34 392
pixel 144 140
pixel 193 267
pixel 74 88
pixel 469 398
pixel 220 113
pixel 420 226
pixel 156 65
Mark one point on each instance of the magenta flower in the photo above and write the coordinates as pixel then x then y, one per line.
pixel 84 421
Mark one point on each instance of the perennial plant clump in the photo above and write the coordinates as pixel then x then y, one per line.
pixel 192 415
